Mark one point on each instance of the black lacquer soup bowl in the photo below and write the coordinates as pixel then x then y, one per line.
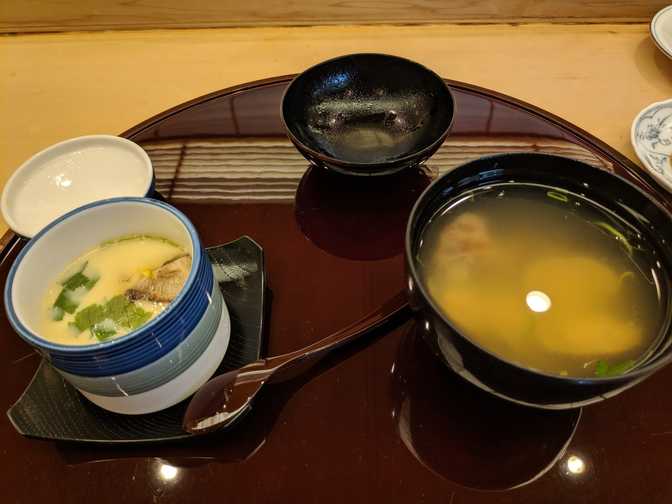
pixel 477 364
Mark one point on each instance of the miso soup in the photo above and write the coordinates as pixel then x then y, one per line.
pixel 113 289
pixel 545 279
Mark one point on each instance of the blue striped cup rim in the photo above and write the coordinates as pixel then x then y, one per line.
pixel 129 359
pixel 189 306
pixel 41 343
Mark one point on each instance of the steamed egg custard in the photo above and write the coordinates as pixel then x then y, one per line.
pixel 545 279
pixel 113 289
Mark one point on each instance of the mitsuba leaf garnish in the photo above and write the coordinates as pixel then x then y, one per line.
pixel 620 237
pixel 604 369
pixel 126 313
pixel 103 320
pixel 74 287
pixel 66 302
pixel 557 196
pixel 89 316
pixel 57 313
pixel 104 330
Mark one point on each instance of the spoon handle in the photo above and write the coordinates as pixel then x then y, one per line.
pixel 395 308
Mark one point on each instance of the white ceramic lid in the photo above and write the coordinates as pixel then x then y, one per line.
pixel 70 174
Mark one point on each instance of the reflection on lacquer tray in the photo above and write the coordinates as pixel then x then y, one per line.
pixel 235 445
pixel 359 218
pixel 268 169
pixel 467 436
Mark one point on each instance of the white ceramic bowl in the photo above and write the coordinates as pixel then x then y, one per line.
pixel 70 174
pixel 651 137
pixel 661 30
pixel 159 364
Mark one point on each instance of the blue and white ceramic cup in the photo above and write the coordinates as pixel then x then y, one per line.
pixel 153 367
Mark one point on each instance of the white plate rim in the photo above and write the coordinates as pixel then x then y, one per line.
pixel 667 184
pixel 653 29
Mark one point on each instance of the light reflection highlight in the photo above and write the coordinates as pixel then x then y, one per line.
pixel 575 465
pixel 168 472
pixel 62 181
pixel 538 301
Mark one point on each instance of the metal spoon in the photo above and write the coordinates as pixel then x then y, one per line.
pixel 221 399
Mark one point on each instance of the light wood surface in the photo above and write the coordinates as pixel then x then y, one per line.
pixel 58 86
pixel 65 15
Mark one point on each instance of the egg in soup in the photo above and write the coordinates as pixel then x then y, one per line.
pixel 113 289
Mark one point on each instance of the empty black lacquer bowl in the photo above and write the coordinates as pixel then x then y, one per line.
pixel 367 114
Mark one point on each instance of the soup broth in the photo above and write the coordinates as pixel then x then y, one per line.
pixel 113 289
pixel 545 279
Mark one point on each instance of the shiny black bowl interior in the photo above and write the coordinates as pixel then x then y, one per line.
pixel 494 374
pixel 367 114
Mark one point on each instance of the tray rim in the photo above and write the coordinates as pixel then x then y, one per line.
pixel 581 134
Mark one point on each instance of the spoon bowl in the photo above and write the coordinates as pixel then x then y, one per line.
pixel 220 401
pixel 227 395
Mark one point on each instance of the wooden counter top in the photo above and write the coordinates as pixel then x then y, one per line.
pixel 53 87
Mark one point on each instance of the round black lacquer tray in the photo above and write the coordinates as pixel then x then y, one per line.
pixel 383 421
